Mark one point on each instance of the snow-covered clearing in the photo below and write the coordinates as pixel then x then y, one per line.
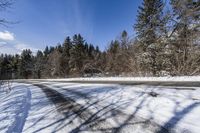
pixel 75 107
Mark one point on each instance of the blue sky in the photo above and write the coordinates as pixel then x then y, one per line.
pixel 48 22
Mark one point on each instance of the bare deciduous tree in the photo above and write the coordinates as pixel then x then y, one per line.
pixel 4 5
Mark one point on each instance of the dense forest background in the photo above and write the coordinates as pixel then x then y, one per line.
pixel 167 42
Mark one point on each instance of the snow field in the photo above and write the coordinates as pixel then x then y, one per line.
pixel 28 108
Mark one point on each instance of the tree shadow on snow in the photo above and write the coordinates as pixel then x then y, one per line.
pixel 109 117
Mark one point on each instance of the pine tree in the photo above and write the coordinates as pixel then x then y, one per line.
pixel 39 65
pixel 67 45
pixel 149 28
pixel 6 67
pixel 26 64
pixel 78 55
pixel 91 51
pixel 124 56
pixel 46 51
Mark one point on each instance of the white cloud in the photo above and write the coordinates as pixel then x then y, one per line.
pixel 3 43
pixel 7 36
pixel 10 45
pixel 16 48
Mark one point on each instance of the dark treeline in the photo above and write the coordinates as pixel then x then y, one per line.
pixel 166 43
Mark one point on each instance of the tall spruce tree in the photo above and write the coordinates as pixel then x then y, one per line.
pixel 149 28
pixel 65 68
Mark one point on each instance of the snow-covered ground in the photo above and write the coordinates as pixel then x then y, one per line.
pixel 133 79
pixel 75 107
pixel 14 107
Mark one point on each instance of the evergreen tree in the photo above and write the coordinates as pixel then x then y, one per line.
pixel 39 65
pixel 26 64
pixel 78 55
pixel 6 67
pixel 91 51
pixel 46 51
pixel 124 56
pixel 149 28
pixel 15 66
pixel 67 45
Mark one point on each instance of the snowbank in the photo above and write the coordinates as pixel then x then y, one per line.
pixel 126 79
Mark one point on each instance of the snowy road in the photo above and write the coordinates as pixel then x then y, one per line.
pixel 78 107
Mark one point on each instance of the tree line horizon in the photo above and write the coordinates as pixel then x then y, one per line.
pixel 167 43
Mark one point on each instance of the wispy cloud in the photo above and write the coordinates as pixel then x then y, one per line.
pixel 7 36
pixel 10 45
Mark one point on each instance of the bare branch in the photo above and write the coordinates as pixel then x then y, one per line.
pixel 4 5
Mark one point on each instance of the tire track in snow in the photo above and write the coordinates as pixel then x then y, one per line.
pixel 70 108
pixel 21 115
pixel 64 105
pixel 96 123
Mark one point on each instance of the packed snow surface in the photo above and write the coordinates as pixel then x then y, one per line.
pixel 167 79
pixel 79 107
